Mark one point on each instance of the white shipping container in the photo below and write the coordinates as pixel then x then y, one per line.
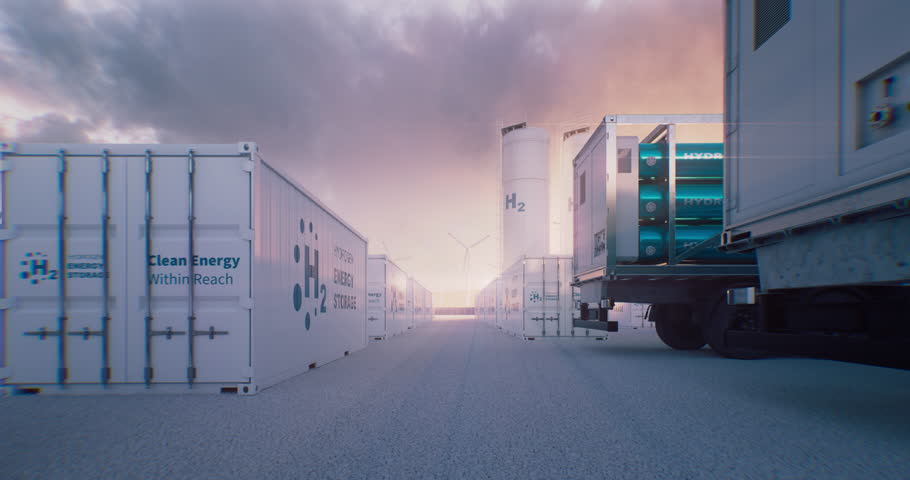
pixel 412 304
pixel 484 309
pixel 168 267
pixel 421 303
pixel 387 286
pixel 539 299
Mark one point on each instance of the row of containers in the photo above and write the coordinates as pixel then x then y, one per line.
pixel 174 268
pixel 535 298
pixel 396 302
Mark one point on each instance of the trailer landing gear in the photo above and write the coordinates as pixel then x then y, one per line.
pixel 676 327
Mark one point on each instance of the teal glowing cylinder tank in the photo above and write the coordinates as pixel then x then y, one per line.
pixel 695 201
pixel 652 244
pixel 693 160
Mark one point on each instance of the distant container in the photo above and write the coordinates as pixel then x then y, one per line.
pixel 419 299
pixel 525 184
pixel 387 286
pixel 410 305
pixel 151 268
pixel 488 307
pixel 424 299
pixel 416 297
pixel 539 300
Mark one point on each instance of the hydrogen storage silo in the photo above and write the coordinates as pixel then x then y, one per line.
pixel 387 286
pixel 526 208
pixel 572 143
pixel 155 268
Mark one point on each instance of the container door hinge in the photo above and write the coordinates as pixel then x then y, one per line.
pixel 8 233
pixel 7 303
pixel 246 303
pixel 5 165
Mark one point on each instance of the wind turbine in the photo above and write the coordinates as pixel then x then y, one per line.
pixel 466 265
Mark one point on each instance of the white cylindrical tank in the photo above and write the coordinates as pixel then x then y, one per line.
pixel 526 207
pixel 572 143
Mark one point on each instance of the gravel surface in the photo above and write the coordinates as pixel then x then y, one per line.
pixel 459 399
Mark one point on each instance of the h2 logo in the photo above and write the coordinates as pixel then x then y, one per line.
pixel 37 268
pixel 511 202
pixel 311 273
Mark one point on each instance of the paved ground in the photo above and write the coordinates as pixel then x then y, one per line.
pixel 462 400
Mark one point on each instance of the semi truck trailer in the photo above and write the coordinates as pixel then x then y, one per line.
pixel 813 253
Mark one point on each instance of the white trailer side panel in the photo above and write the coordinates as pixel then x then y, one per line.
pixel 801 144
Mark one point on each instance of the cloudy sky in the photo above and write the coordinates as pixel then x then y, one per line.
pixel 388 110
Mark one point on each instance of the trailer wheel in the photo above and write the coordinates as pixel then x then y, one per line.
pixel 728 317
pixel 676 328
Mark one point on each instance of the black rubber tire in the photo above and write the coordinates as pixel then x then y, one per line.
pixel 676 328
pixel 721 319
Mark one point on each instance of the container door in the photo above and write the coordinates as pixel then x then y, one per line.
pixel 534 290
pixel 376 318
pixel 196 328
pixel 566 302
pixel 552 297
pixel 65 268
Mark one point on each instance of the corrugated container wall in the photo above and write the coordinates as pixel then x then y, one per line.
pixel 422 301
pixel 486 305
pixel 525 184
pixel 387 286
pixel 410 305
pixel 168 267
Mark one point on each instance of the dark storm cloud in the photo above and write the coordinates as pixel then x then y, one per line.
pixel 287 73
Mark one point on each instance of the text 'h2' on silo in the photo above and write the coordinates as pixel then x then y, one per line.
pixel 525 185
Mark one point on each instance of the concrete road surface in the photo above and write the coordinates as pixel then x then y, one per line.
pixel 460 399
